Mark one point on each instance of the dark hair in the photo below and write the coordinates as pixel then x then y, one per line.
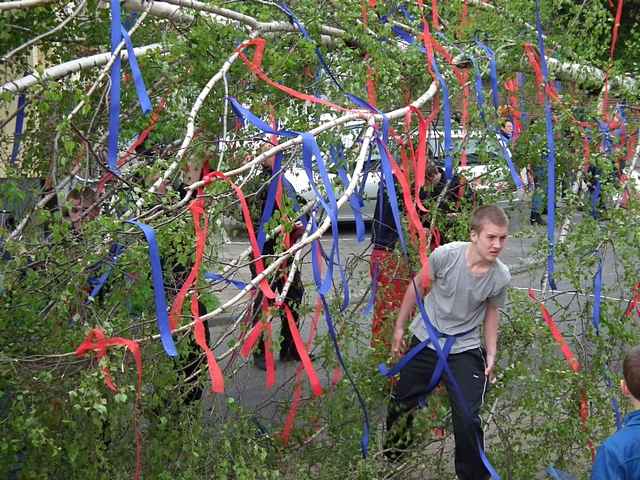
pixel 488 214
pixel 631 371
pixel 84 194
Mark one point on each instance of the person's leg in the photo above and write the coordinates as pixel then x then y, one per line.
pixel 537 199
pixel 468 370
pixel 293 298
pixel 408 393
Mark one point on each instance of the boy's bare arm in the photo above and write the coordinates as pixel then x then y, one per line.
pixel 406 310
pixel 491 322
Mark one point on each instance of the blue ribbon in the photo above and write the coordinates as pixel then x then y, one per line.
pixel 614 401
pixel 117 34
pixel 309 151
pixel 558 85
pixel 557 474
pixel 114 100
pixel 355 200
pixel 597 295
pixel 387 178
pixel 551 157
pixel 607 144
pixel 141 90
pixel 269 204
pixel 374 291
pixel 158 288
pixel 506 153
pixel 216 277
pixel 115 251
pixel 493 72
pixel 448 144
pixel 22 102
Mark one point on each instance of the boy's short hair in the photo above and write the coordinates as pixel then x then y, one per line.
pixel 631 371
pixel 488 214
pixel 85 195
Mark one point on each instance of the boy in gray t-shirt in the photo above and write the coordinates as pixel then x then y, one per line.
pixel 467 285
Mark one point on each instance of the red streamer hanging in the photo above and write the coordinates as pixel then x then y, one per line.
pixel 264 285
pixel 99 343
pixel 254 66
pixel 297 392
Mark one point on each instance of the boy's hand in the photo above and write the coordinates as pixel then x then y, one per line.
pixel 490 365
pixel 397 343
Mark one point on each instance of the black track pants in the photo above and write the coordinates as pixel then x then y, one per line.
pixel 410 392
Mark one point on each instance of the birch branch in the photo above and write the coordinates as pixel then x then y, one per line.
pixel 67 68
pixel 294 268
pixel 55 29
pixel 23 4
pixel 357 115
pixel 159 9
pixel 191 121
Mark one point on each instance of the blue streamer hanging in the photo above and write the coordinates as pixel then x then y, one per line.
pixel 115 251
pixel 269 205
pixel 118 33
pixel 158 288
pixel 114 100
pixel 17 135
pixel 216 278
pixel 551 157
pixel 355 200
pixel 506 153
pixel 493 73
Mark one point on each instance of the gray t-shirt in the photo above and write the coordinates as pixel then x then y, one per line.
pixel 458 299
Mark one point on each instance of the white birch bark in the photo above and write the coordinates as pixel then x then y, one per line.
pixel 64 69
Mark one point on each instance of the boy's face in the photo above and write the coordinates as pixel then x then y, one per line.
pixel 490 241
pixel 508 128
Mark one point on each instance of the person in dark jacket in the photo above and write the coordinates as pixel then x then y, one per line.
pixel 295 294
pixel 618 458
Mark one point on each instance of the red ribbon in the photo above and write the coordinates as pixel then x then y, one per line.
pixel 96 341
pixel 215 374
pixel 616 27
pixel 572 361
pixel 254 66
pixel 297 392
pixel 414 218
pixel 635 301
pixel 435 18
pixel 254 335
pixel 534 60
pixel 511 86
pixel 264 285
pixel 316 387
pixel 155 115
